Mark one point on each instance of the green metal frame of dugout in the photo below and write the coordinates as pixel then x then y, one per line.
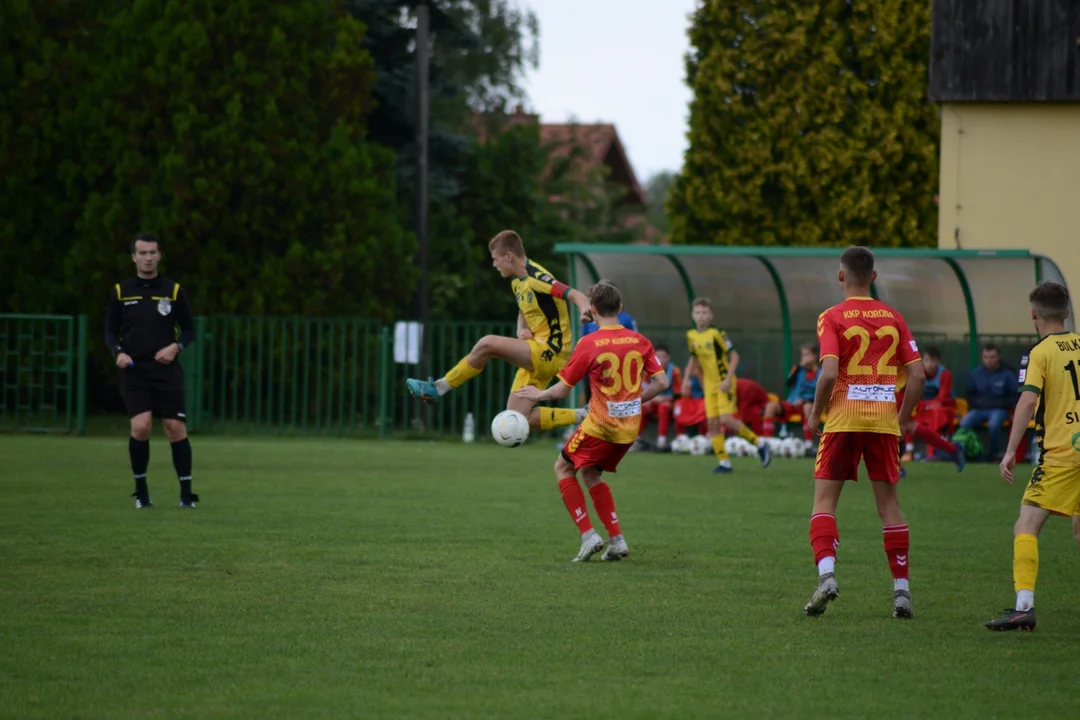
pixel 963 296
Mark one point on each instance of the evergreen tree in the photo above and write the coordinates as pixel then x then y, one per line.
pixel 809 125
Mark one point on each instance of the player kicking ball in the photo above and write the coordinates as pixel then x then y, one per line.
pixel 1050 392
pixel 864 344
pixel 542 346
pixel 616 360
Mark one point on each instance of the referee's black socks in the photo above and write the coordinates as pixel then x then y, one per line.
pixel 139 450
pixel 181 457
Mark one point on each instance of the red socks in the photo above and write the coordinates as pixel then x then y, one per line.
pixel 934 440
pixel 575 503
pixel 663 412
pixel 768 427
pixel 605 508
pixel 807 433
pixel 824 536
pixel 602 500
pixel 896 549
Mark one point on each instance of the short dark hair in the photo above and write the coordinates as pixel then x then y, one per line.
pixel 702 302
pixel 662 348
pixel 991 347
pixel 811 347
pixel 145 237
pixel 858 261
pixel 1050 300
pixel 932 352
pixel 606 298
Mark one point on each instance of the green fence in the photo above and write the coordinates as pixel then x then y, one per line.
pixel 43 373
pixel 337 376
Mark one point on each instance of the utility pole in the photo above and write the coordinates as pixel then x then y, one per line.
pixel 423 58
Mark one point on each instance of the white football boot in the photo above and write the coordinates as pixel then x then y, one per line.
pixel 591 544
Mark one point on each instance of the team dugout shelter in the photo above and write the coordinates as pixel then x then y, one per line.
pixel 768 298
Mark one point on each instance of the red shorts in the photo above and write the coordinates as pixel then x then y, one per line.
pixel 583 450
pixel 839 454
pixel 690 411
pixel 752 417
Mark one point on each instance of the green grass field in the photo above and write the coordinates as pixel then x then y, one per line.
pixel 337 578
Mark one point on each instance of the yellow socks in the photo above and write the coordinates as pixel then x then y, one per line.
pixel 551 418
pixel 1025 562
pixel 718 447
pixel 462 373
pixel 747 434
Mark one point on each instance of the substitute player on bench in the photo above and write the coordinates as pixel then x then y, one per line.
pixel 863 344
pixel 616 361
pixel 1050 392
pixel 542 346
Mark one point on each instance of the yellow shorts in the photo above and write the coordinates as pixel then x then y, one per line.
pixel 546 365
pixel 1055 488
pixel 718 404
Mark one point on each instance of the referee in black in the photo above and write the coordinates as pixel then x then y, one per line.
pixel 148 324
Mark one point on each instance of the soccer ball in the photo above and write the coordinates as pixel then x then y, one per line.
pixel 510 428
pixel 681 444
pixel 700 445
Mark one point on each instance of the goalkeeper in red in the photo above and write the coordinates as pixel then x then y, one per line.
pixel 616 361
pixel 864 343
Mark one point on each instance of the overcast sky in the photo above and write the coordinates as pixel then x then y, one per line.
pixel 617 61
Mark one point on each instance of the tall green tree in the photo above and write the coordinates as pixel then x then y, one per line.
pixel 809 125
pixel 236 132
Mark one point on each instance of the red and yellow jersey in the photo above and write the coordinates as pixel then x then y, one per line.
pixel 616 360
pixel 872 343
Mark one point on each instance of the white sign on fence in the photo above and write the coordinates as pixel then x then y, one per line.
pixel 408 338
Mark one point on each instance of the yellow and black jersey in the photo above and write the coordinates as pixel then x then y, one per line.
pixel 713 350
pixel 1052 369
pixel 146 314
pixel 542 300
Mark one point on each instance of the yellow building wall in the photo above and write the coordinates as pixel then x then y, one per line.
pixel 1010 178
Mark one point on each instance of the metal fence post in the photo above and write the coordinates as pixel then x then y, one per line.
pixel 385 349
pixel 80 385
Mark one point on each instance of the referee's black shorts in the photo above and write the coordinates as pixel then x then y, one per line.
pixel 149 386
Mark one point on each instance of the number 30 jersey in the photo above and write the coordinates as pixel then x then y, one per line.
pixel 1052 370
pixel 616 360
pixel 872 342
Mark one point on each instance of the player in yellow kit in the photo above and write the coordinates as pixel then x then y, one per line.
pixel 713 355
pixel 1050 392
pixel 542 347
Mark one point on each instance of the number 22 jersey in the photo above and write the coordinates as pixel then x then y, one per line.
pixel 616 360
pixel 872 342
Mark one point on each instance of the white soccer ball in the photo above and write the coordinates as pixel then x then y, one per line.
pixel 793 447
pixel 700 445
pixel 681 444
pixel 776 445
pixel 744 448
pixel 731 445
pixel 510 428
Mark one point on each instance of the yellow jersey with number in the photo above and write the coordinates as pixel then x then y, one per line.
pixel 713 349
pixel 1052 370
pixel 542 301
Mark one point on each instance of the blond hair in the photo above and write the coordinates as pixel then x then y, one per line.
pixel 507 241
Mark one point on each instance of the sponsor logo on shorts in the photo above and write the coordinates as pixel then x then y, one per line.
pixel 872 393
